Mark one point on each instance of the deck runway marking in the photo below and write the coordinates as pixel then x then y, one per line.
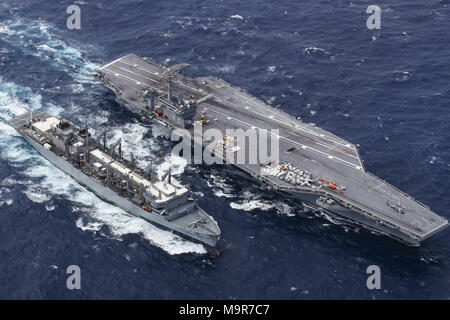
pixel 320 143
pixel 107 65
pixel 337 159
pixel 138 74
pixel 158 75
pixel 245 97
pixel 283 122
pixel 340 151
pixel 130 79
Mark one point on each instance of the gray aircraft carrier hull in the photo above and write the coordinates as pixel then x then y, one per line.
pixel 111 197
pixel 367 200
pixel 360 219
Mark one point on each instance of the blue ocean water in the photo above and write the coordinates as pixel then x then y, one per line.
pixel 386 90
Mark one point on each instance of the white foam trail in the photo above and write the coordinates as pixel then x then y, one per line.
pixel 221 188
pixel 4 193
pixel 312 51
pixel 174 163
pixel 8 202
pixel 225 68
pixel 42 40
pixel 119 222
pixel 134 141
pixel 54 182
pixel 250 205
pixel 161 131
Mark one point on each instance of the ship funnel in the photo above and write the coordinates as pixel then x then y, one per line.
pixel 86 142
pixel 167 175
pixel 114 146
pixel 152 99
pixel 132 160
pixel 153 174
pixel 169 89
pixel 100 135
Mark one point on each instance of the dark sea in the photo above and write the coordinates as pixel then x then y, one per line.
pixel 387 90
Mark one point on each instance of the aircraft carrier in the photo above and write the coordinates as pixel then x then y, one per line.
pixel 318 168
pixel 118 181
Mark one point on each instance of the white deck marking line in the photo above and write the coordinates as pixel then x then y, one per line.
pixel 298 127
pixel 157 74
pixel 326 146
pixel 133 80
pixel 153 73
pixel 107 65
pixel 249 98
pixel 337 159
pixel 283 122
pixel 139 75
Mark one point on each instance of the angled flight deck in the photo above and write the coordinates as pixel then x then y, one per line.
pixel 317 167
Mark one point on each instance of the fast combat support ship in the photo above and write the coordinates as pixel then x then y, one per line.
pixel 118 181
pixel 323 171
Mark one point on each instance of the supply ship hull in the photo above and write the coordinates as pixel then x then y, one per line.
pixel 322 170
pixel 190 222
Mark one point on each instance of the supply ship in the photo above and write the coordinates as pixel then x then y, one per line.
pixel 118 181
pixel 320 169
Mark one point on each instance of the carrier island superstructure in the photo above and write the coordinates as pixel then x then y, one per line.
pixel 315 166
pixel 104 171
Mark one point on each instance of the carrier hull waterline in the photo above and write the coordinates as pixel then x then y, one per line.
pixel 319 168
pixel 208 235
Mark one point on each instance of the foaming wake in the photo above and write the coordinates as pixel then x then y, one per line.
pixel 173 163
pixel 161 131
pixel 145 149
pixel 247 200
pixel 42 40
pixel 250 205
pixel 133 138
pixel 220 187
pixel 43 181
